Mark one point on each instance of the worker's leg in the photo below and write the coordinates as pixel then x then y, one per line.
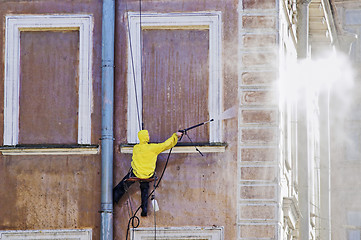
pixel 144 189
pixel 122 186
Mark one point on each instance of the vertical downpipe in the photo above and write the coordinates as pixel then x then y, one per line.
pixel 303 147
pixel 106 228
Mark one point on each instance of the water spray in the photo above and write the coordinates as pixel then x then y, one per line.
pixel 228 114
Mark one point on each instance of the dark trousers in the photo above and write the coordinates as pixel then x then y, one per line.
pixel 123 186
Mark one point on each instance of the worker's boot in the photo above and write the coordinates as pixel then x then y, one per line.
pixel 144 189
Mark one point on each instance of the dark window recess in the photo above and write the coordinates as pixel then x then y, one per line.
pixel 175 82
pixel 48 87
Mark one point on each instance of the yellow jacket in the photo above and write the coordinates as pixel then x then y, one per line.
pixel 145 154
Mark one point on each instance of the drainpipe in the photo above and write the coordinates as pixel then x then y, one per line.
pixel 302 28
pixel 106 228
pixel 303 148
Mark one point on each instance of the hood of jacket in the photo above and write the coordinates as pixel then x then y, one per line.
pixel 143 136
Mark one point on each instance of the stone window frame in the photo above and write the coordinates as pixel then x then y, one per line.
pixel 179 233
pixel 14 25
pixel 193 20
pixel 66 234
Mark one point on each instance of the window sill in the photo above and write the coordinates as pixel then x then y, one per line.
pixel 49 149
pixel 184 148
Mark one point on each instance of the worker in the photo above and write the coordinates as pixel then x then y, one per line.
pixel 143 166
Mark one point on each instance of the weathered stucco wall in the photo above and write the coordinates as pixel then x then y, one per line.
pixel 86 7
pixel 52 192
pixel 195 190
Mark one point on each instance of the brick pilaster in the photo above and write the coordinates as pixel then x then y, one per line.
pixel 258 198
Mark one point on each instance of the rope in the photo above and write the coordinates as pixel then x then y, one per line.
pixel 132 216
pixel 155 216
pixel 185 133
pixel 141 51
pixel 131 220
pixel 132 61
pixel 129 202
pixel 155 223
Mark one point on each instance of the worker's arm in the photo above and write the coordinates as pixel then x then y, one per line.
pixel 169 143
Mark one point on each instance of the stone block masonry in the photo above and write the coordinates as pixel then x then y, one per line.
pixel 257 212
pixel 259 4
pixel 258 167
pixel 258 78
pixel 261 173
pixel 259 22
pixel 258 155
pixel 258 116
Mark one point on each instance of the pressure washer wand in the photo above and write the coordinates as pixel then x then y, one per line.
pixel 184 131
pixel 198 125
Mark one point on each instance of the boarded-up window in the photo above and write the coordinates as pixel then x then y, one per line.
pixel 175 82
pixel 48 87
pixel 174 75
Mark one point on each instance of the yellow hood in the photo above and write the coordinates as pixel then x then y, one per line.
pixel 143 136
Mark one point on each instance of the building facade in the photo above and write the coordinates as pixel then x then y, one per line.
pixel 346 155
pixel 265 173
